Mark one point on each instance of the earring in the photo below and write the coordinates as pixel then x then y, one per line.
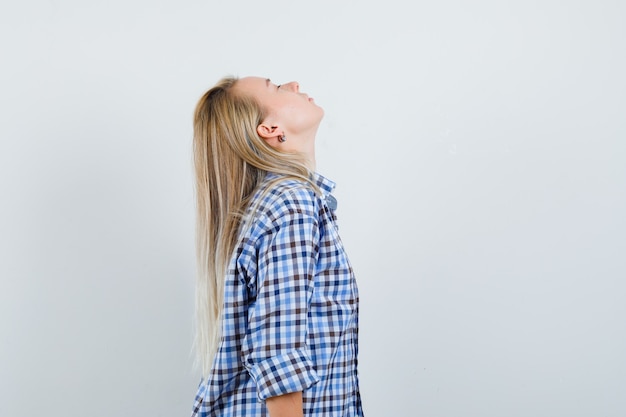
pixel 282 139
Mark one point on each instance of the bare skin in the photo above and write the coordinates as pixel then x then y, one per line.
pixel 288 405
pixel 290 114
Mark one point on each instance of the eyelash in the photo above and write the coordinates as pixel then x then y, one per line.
pixel 278 88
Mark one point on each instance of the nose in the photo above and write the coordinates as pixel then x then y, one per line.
pixel 293 86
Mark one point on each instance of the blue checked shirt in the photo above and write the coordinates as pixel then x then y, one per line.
pixel 290 313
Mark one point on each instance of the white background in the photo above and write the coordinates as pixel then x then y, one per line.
pixel 479 150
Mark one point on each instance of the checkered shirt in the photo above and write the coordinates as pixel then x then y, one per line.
pixel 290 313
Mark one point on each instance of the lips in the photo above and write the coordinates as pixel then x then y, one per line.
pixel 307 96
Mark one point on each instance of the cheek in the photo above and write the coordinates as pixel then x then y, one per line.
pixel 299 116
pixel 305 117
pixel 294 115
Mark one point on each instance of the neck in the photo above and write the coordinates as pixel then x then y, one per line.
pixel 310 162
pixel 305 145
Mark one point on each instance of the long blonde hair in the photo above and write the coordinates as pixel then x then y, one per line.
pixel 230 160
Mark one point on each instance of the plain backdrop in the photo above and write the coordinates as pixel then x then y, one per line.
pixel 480 156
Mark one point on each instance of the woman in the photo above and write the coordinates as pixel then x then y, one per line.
pixel 277 302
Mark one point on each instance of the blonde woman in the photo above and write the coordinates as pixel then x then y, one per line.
pixel 277 301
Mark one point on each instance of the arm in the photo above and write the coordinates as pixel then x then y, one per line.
pixel 288 405
pixel 274 350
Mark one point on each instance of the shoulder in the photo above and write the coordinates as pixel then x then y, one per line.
pixel 281 197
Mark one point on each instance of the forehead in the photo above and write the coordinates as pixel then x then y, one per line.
pixel 252 83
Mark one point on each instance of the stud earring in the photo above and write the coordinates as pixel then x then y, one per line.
pixel 282 139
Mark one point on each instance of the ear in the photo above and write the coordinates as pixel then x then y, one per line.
pixel 267 131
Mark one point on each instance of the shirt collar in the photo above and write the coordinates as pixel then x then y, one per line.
pixel 326 186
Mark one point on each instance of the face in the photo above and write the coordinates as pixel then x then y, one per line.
pixel 292 112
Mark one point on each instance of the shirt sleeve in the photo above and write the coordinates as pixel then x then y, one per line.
pixel 275 351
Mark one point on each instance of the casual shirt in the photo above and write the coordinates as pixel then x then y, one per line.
pixel 290 313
